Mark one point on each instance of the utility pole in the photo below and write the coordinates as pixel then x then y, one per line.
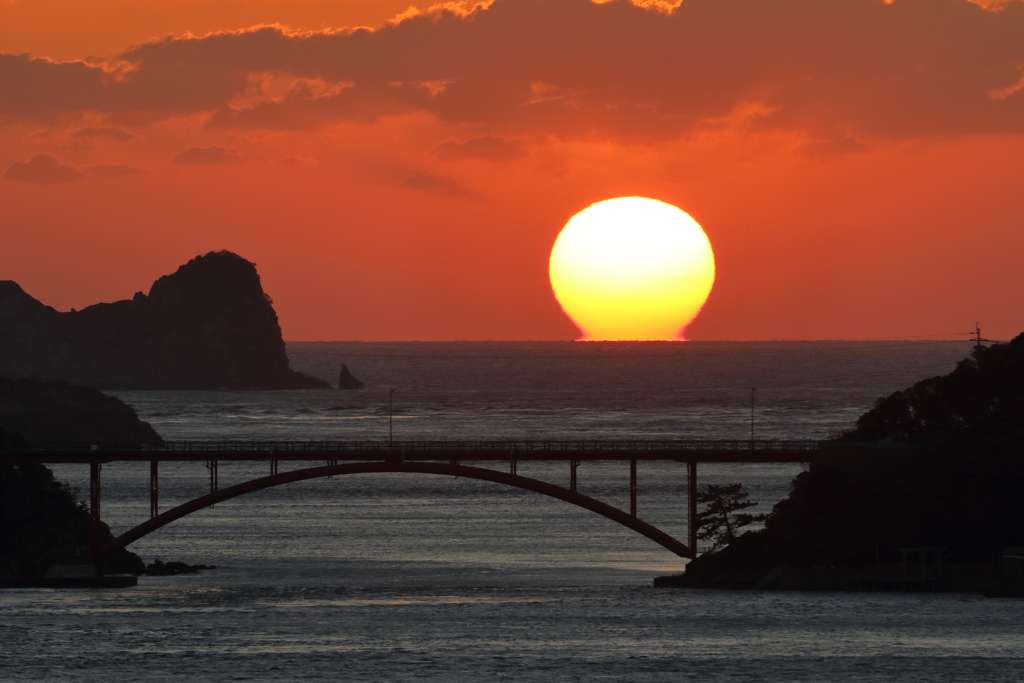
pixel 977 338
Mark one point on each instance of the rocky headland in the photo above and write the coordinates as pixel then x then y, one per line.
pixel 209 325
pixel 943 512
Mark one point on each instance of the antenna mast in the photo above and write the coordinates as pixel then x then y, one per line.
pixel 977 336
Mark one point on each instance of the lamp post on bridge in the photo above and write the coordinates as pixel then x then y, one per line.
pixel 752 418
pixel 391 418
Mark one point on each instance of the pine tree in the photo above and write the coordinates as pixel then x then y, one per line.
pixel 719 521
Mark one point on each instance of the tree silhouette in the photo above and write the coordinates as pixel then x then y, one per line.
pixel 720 520
pixel 983 398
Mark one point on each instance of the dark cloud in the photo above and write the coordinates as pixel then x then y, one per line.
pixel 115 171
pixel 215 154
pixel 489 147
pixel 440 184
pixel 50 91
pixel 43 169
pixel 118 134
pixel 845 70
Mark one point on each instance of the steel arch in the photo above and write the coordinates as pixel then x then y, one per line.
pixel 535 485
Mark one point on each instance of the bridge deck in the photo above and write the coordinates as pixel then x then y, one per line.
pixel 355 451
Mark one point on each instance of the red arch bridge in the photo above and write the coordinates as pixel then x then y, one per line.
pixel 418 457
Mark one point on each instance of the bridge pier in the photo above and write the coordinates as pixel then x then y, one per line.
pixel 573 464
pixel 94 504
pixel 632 488
pixel 691 502
pixel 153 489
pixel 214 485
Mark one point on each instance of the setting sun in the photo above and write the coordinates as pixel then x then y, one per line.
pixel 632 269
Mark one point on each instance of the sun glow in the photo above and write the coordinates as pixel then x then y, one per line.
pixel 632 269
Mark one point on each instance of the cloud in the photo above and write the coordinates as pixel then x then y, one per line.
pixel 300 109
pixel 114 171
pixel 47 91
pixel 215 154
pixel 489 147
pixel 43 169
pixel 440 184
pixel 118 134
pixel 843 70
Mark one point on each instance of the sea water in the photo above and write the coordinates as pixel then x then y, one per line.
pixel 396 577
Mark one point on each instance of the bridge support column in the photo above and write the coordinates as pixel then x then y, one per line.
pixel 691 502
pixel 212 466
pixel 573 464
pixel 273 467
pixel 632 488
pixel 94 504
pixel 154 497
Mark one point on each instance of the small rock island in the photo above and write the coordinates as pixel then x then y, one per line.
pixel 209 325
pixel 346 381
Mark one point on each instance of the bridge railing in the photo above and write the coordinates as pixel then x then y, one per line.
pixel 512 447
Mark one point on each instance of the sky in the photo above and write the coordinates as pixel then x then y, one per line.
pixel 401 172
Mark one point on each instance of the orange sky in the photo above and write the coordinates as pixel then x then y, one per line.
pixel 857 165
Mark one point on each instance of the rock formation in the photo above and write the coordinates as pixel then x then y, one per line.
pixel 209 325
pixel 347 381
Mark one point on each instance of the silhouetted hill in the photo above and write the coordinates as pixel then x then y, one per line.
pixel 41 519
pixel 209 325
pixel 982 400
pixel 55 411
pixel 960 490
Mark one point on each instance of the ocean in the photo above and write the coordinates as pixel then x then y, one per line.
pixel 395 577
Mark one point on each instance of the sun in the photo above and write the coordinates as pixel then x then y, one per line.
pixel 632 269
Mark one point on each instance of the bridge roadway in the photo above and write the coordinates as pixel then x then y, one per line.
pixel 422 457
pixel 706 451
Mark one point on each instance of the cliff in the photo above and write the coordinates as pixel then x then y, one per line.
pixel 209 325
pixel 958 492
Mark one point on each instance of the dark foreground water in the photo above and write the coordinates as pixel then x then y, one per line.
pixel 402 577
pixel 189 630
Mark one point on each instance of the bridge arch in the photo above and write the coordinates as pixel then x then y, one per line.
pixel 535 485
